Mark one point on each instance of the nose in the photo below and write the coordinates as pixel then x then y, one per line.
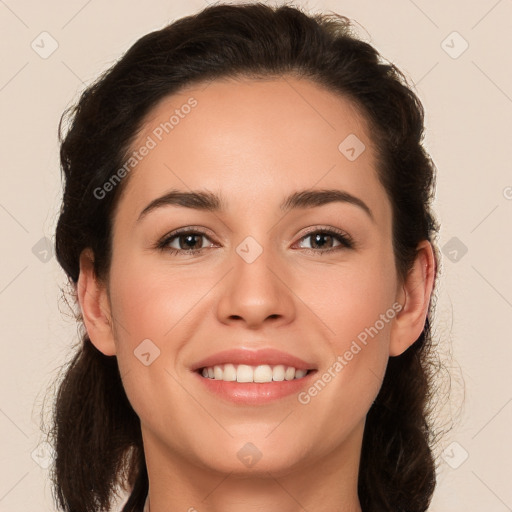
pixel 257 290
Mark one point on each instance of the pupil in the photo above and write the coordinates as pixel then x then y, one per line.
pixel 319 236
pixel 188 238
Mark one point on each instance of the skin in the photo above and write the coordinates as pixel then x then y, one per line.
pixel 254 142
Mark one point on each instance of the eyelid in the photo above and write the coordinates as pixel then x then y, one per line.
pixel 194 230
pixel 346 241
pixel 163 242
pixel 327 229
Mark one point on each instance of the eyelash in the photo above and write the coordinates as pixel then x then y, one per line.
pixel 345 240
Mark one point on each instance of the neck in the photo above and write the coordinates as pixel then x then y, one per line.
pixel 325 483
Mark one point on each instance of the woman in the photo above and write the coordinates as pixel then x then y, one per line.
pixel 246 227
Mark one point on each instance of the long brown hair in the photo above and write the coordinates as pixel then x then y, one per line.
pixel 95 432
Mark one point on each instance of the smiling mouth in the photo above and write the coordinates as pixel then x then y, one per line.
pixel 246 373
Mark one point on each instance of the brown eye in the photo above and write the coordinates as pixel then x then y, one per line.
pixel 185 242
pixel 325 241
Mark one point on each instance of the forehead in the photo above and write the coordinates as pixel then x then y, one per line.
pixel 296 110
pixel 254 139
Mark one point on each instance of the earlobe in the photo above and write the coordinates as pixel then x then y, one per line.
pixel 415 297
pixel 94 304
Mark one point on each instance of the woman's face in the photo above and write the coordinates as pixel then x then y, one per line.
pixel 265 277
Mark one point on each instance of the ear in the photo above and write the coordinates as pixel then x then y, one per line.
pixel 94 303
pixel 414 295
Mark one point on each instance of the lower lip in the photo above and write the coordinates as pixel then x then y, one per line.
pixel 254 393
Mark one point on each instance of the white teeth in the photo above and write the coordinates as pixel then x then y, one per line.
pixel 289 374
pixel 245 373
pixel 229 373
pixel 300 373
pixel 278 372
pixel 263 373
pixel 217 372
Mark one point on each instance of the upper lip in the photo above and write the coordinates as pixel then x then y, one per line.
pixel 268 356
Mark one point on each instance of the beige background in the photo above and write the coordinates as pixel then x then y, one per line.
pixel 468 100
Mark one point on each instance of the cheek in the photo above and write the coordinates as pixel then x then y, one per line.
pixel 149 307
pixel 149 300
pixel 156 311
pixel 359 314
pixel 362 311
pixel 353 306
pixel 349 299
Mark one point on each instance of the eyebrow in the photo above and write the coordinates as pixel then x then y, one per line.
pixel 208 201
